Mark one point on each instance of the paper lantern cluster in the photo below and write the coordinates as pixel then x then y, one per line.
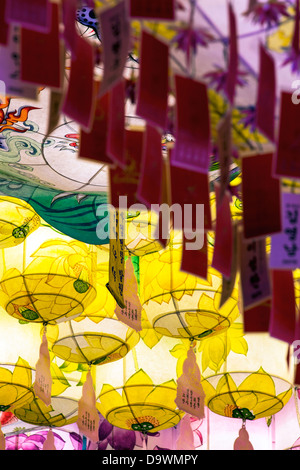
pixel 149 224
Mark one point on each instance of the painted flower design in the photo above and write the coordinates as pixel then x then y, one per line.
pixel 215 351
pixel 35 441
pixel 292 57
pixel 217 78
pixel 156 269
pixel 268 13
pixel 255 396
pixel 117 438
pixel 140 405
pixel 207 320
pixel 248 118
pixel 189 38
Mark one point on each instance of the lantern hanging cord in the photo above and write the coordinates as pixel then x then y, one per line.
pixel 296 404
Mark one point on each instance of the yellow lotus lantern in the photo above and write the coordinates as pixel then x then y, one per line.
pixel 96 336
pixel 47 279
pixel 62 410
pixel 138 392
pixel 84 341
pixel 252 383
pixel 140 233
pixel 19 349
pixel 180 305
pixel 17 221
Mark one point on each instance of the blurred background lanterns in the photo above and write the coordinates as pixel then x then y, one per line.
pixel 140 233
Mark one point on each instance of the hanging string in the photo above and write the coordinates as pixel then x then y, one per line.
pixel 273 433
pixel 124 369
pixel 3 260
pixel 208 428
pixel 134 355
pixel 191 63
pixel 45 324
pixel 295 392
pixel 145 440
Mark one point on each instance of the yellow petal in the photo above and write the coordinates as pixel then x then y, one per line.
pixel 259 382
pixel 22 373
pixel 109 399
pixel 137 387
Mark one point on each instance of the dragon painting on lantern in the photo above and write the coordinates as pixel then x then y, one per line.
pixel 45 170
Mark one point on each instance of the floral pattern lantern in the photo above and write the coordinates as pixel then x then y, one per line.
pixel 61 412
pixel 96 336
pixel 17 221
pixel 180 305
pixel 46 279
pixel 256 385
pixel 238 51
pixel 82 340
pixel 63 409
pixel 19 348
pixel 138 392
pixel 140 233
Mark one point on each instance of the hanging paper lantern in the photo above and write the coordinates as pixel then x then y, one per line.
pixel 62 411
pixel 221 433
pixel 19 348
pixel 286 425
pixel 252 384
pixel 140 233
pixel 63 407
pixel 96 336
pixel 138 392
pixel 275 432
pixel 17 221
pixel 180 305
pixel 84 340
pixel 46 279
pixel 19 354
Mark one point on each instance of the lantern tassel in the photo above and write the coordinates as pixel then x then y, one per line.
pixel 243 442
